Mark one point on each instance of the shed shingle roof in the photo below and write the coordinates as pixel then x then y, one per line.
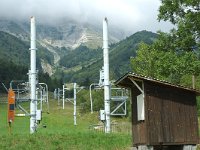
pixel 124 79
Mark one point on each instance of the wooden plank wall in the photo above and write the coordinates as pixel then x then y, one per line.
pixel 171 115
pixel 138 127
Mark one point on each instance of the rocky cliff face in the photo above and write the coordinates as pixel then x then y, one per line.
pixel 68 34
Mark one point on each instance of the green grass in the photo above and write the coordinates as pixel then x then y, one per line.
pixel 60 133
pixel 77 140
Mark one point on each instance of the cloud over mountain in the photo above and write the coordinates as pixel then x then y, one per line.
pixel 128 14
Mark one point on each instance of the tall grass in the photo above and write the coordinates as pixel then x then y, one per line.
pixel 56 131
pixel 77 140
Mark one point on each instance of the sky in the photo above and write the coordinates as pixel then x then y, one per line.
pixel 130 15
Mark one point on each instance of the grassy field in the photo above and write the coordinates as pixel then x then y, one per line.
pixel 56 131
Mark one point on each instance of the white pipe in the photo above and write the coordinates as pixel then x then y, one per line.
pixel 91 101
pixel 75 104
pixel 32 77
pixel 106 76
pixel 41 99
pixel 55 94
pixel 58 96
pixel 20 115
pixel 47 95
pixel 36 97
pixel 63 96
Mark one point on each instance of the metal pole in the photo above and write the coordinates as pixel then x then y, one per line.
pixel 47 96
pixel 63 96
pixel 58 97
pixel 55 94
pixel 91 102
pixel 45 92
pixel 41 99
pixel 75 104
pixel 32 76
pixel 106 76
pixel 36 97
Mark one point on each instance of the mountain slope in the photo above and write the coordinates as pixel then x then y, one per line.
pixel 81 56
pixel 79 65
pixel 68 33
pixel 14 50
pixel 59 37
pixel 14 61
pixel 119 55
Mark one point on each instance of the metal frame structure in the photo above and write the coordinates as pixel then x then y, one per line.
pixel 106 76
pixel 119 99
pixel 91 101
pixel 33 81
pixel 32 77
pixel 71 100
pixel 55 94
pixel 118 96
pixel 63 95
pixel 43 90
pixel 22 90
pixel 59 95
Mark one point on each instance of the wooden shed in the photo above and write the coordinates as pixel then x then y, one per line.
pixel 162 113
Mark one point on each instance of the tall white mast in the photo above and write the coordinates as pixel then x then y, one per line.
pixel 106 76
pixel 63 96
pixel 75 104
pixel 32 77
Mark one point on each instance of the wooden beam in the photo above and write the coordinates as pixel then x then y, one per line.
pixel 139 88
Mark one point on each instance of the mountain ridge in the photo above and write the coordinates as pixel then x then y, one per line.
pixel 72 65
pixel 119 55
pixel 58 37
pixel 68 34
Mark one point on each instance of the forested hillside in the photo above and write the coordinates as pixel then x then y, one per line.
pixel 88 62
pixel 13 50
pixel 17 51
pixel 14 59
pixel 81 56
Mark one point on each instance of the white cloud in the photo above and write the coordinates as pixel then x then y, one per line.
pixel 131 15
